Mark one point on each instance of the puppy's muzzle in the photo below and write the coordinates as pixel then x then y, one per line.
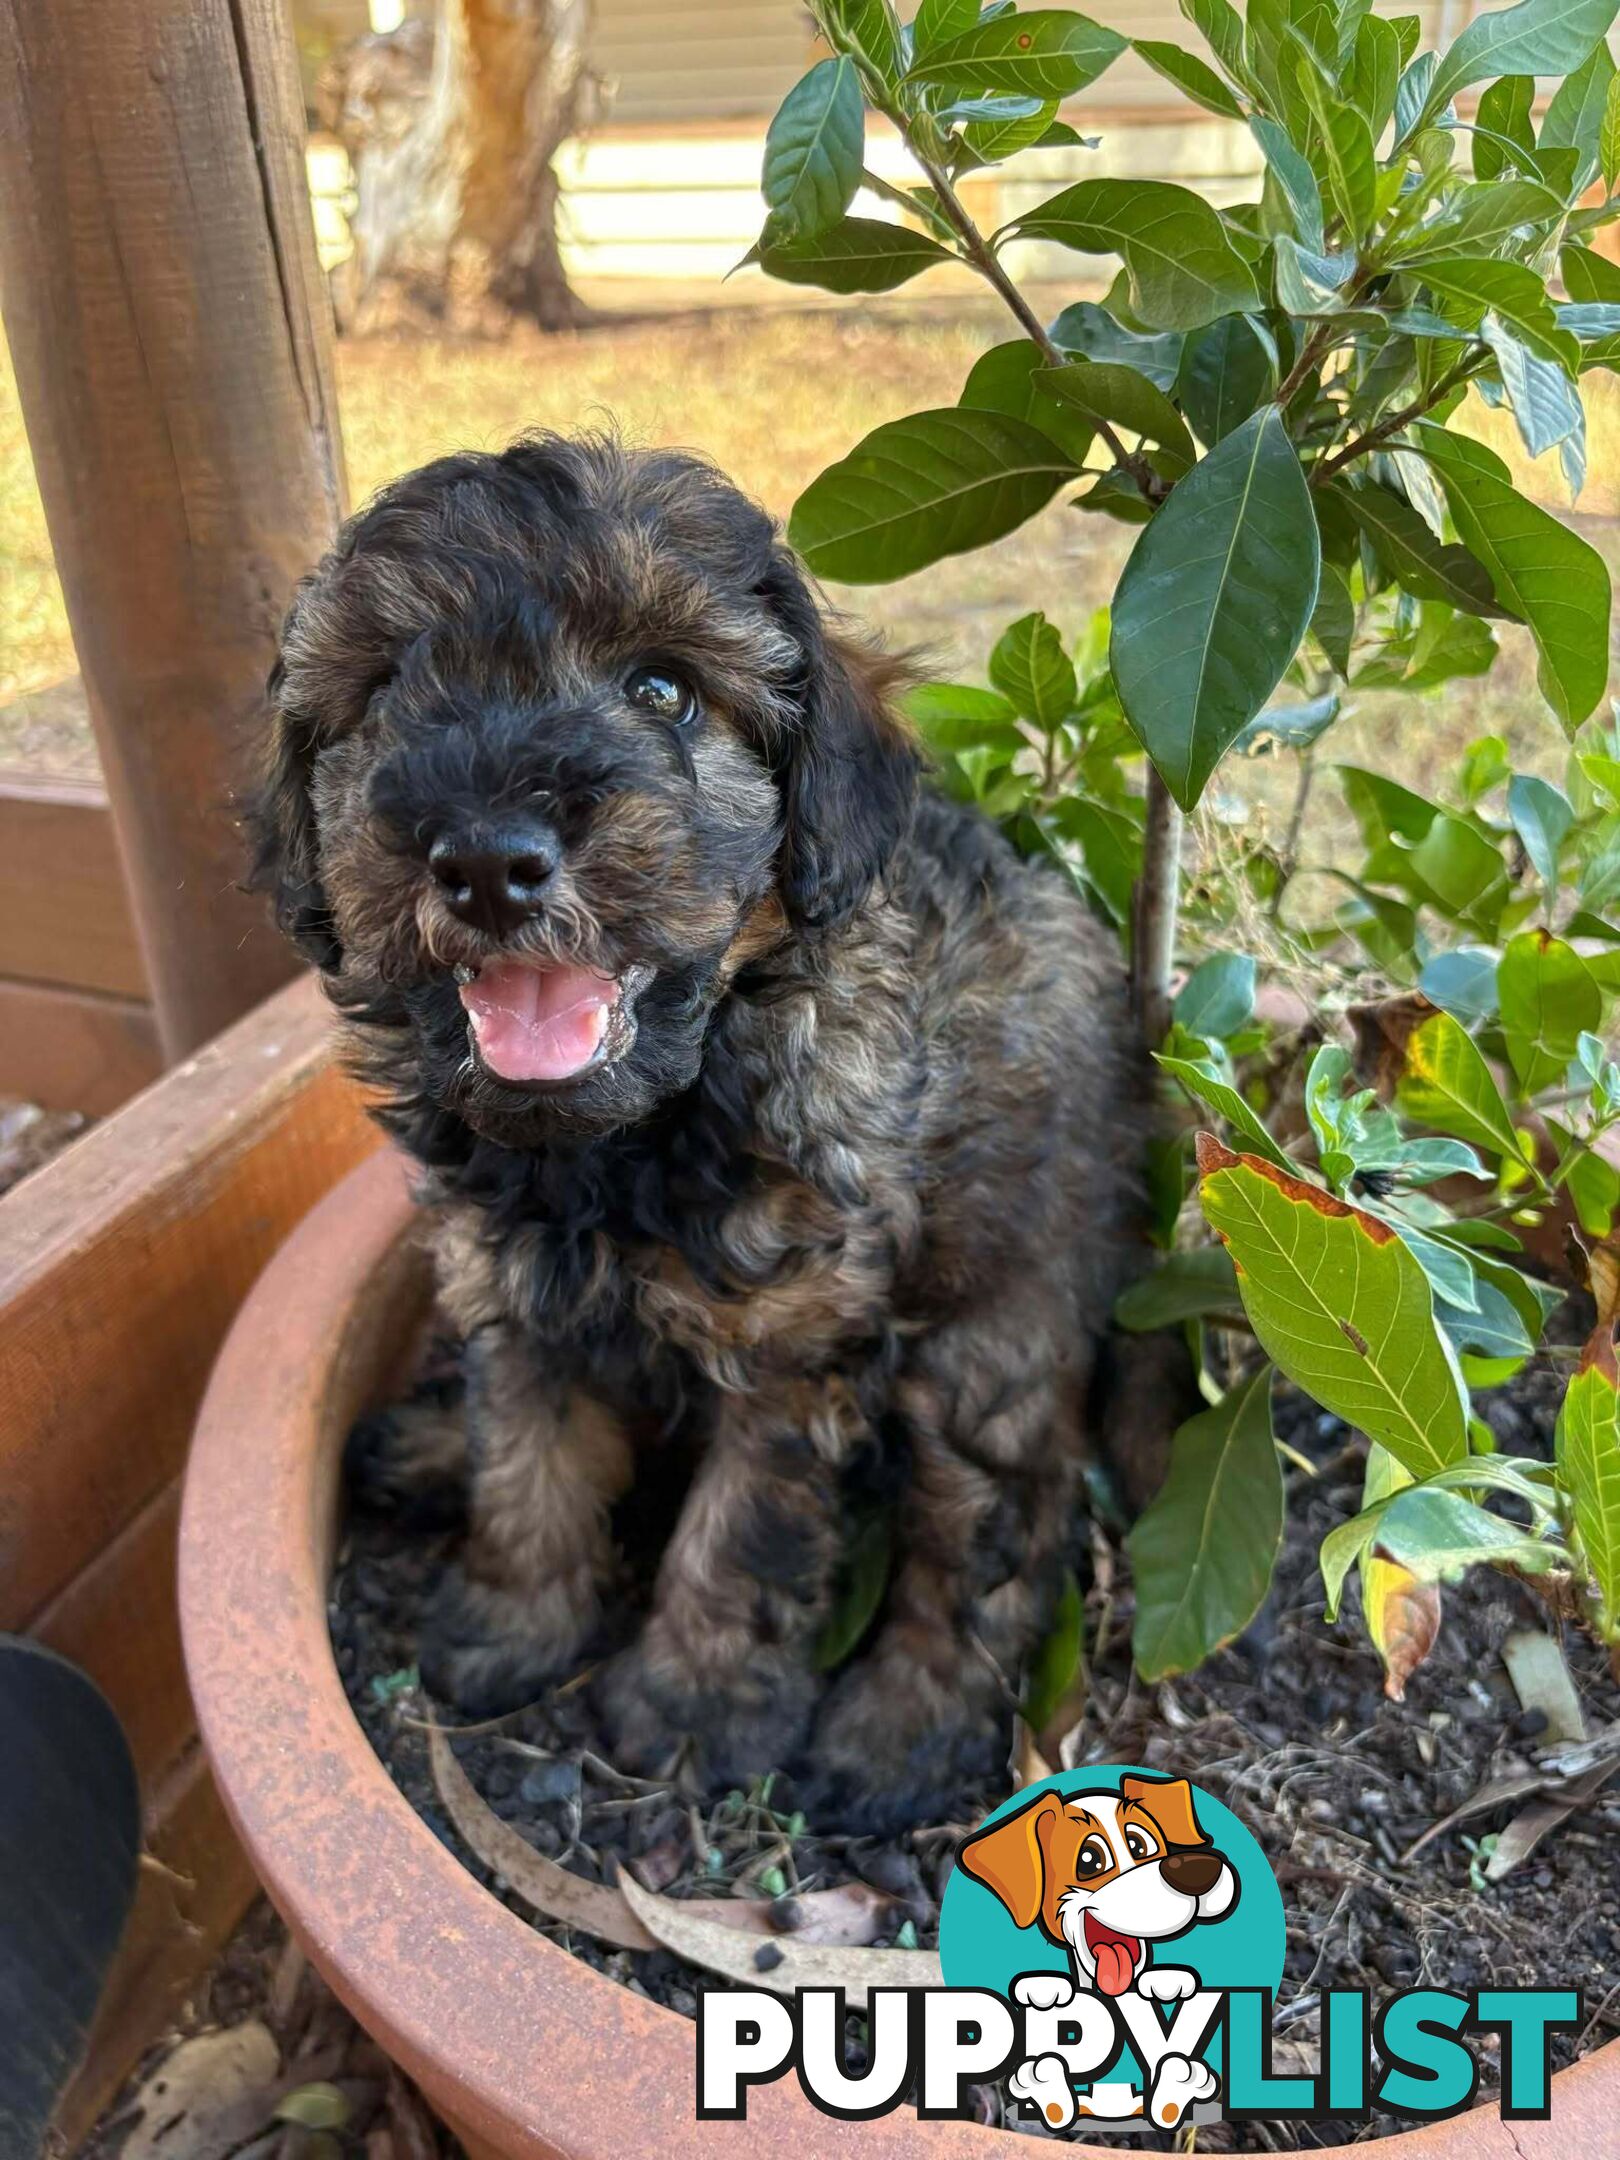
pixel 1194 1874
pixel 494 876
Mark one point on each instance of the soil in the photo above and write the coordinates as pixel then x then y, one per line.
pixel 1289 1727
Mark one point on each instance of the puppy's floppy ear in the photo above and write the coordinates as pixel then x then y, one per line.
pixel 1170 1802
pixel 848 772
pixel 281 819
pixel 1010 1857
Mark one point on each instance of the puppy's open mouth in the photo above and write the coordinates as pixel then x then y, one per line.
pixel 536 1024
pixel 1118 1956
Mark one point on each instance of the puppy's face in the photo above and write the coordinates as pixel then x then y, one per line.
pixel 1106 1874
pixel 561 741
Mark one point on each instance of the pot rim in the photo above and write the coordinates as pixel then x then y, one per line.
pixel 524 2048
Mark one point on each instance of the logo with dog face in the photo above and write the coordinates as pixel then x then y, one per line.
pixel 1114 1905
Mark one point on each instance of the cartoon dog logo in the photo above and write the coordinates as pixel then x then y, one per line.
pixel 1108 1876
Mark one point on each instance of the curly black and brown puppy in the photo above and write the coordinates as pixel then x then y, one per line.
pixel 760 1097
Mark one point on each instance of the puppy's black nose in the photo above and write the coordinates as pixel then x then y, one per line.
pixel 1192 1873
pixel 494 876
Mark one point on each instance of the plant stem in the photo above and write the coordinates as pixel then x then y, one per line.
pixel 1288 862
pixel 982 257
pixel 1392 424
pixel 1154 907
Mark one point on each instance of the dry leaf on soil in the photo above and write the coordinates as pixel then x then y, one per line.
pixel 208 2096
pixel 691 1932
pixel 849 1915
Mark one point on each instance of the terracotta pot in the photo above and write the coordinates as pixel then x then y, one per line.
pixel 522 2049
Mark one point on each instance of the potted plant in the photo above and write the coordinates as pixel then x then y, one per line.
pixel 1270 395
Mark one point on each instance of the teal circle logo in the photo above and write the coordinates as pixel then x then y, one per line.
pixel 996 1919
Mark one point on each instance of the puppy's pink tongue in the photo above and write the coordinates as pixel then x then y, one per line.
pixel 1115 1965
pixel 538 1023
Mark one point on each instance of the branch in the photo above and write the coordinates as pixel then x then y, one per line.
pixel 1375 437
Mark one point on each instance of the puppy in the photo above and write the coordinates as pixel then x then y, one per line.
pixel 765 1104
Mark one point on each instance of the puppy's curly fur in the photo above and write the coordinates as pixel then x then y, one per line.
pixel 857 1180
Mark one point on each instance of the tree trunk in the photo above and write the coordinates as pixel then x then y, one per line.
pixel 452 137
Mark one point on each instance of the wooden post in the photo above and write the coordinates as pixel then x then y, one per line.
pixel 171 335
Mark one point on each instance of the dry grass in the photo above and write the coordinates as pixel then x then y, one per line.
pixel 774 396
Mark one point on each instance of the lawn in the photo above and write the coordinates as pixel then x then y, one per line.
pixel 773 396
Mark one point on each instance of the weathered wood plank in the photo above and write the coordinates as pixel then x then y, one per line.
pixel 64 914
pixel 75 1049
pixel 121 1266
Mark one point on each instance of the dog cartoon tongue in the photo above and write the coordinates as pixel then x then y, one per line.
pixel 534 1023
pixel 1116 1955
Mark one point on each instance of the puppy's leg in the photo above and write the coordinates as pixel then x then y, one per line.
pixel 726 1657
pixel 922 1723
pixel 410 1460
pixel 547 1464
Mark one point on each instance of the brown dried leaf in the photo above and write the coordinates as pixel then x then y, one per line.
pixel 1527 1829
pixel 1403 1619
pixel 691 1931
pixel 1541 1681
pixel 207 2096
pixel 851 1914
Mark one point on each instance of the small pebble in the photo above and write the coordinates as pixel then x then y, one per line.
pixel 767 1957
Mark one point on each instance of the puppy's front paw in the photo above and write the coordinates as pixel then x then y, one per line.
pixel 892 1749
pixel 410 1461
pixel 1044 2085
pixel 1166 1983
pixel 488 1650
pixel 729 1726
pixel 1043 1991
pixel 1177 2084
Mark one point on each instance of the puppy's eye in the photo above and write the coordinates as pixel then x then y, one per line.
pixel 659 690
pixel 1093 1857
pixel 1139 1845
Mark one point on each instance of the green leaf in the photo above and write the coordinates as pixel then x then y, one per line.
pixel 1447 1084
pixel 1287 727
pixel 1056 1664
pixel 1436 1533
pixel 1588 1450
pixel 1089 332
pixel 860 255
pixel 1030 667
pixel 1411 554
pixel 1185 1286
pixel 1457 868
pixel 989 142
pixel 1590 277
pixel 813 152
pixel 1214 602
pixel 952 717
pixel 1504 124
pixel 1221 27
pixel 918 489
pixel 1543 817
pixel 1462 983
pixel 869 28
pixel 1333 620
pixel 938 20
pixel 1470 285
pixel 1540 569
pixel 1548 1000
pixel 1340 1303
pixel 1217 998
pixel 1182 267
pixel 1546 405
pixel 1202 1554
pixel 1375 69
pixel 1193 77
pixel 1106 390
pixel 1346 152
pixel 1538 37
pixel 1575 116
pixel 1004 380
pixel 1291 170
pixel 1609 135
pixel 317 2106
pixel 1203 1079
pixel 1477 219
pixel 1226 371
pixel 863 1578
pixel 1046 54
